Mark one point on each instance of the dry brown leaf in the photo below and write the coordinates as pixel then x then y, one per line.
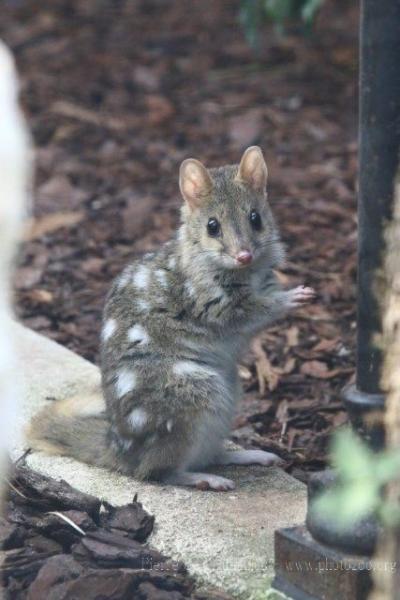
pixel 326 345
pixel 137 216
pixel 352 378
pixel 319 370
pixel 244 129
pixel 292 336
pixel 340 418
pixel 303 404
pixel 146 78
pixel 282 411
pixel 291 436
pixel 266 373
pixel 91 265
pixel 282 415
pixel 244 373
pixel 86 115
pixel 315 312
pixel 36 228
pixel 59 194
pixel 283 279
pixel 276 117
pixel 27 277
pixel 288 367
pixel 42 296
pixel 159 108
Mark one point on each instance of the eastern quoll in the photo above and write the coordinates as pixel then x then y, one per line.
pixel 175 324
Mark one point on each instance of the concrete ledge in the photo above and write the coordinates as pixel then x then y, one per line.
pixel 225 539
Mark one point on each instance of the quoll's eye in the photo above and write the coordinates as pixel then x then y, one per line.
pixel 255 220
pixel 213 227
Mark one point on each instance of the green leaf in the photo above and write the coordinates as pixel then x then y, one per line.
pixel 348 503
pixel 254 12
pixel 280 10
pixel 361 476
pixel 351 456
pixel 387 466
pixel 309 9
pixel 250 16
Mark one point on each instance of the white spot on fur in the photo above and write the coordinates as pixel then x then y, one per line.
pixel 169 425
pixel 138 334
pixel 126 444
pixel 217 291
pixel 109 329
pixel 190 289
pixel 162 278
pixel 141 277
pixel 172 263
pixel 142 304
pixel 181 234
pixel 137 419
pixel 126 382
pixel 124 278
pixel 184 368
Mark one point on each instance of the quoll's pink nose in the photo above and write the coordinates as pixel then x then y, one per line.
pixel 244 257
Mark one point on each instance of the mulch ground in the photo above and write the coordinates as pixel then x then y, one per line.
pixel 60 544
pixel 117 93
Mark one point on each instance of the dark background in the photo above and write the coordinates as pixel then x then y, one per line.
pixel 117 94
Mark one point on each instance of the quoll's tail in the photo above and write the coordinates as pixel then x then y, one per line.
pixel 75 427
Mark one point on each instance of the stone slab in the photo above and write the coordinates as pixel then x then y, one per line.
pixel 225 539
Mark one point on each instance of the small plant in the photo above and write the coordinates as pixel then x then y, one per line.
pixel 362 474
pixel 280 12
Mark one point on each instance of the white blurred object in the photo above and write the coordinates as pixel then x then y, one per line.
pixel 15 179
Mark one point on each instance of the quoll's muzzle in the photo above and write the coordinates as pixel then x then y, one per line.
pixel 244 257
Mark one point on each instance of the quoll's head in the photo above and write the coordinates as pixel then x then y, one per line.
pixel 226 215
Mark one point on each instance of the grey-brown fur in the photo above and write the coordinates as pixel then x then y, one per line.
pixel 174 326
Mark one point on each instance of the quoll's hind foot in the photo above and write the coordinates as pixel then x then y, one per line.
pixel 301 295
pixel 201 481
pixel 250 457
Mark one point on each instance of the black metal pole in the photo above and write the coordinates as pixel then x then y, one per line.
pixel 379 138
pixel 379 153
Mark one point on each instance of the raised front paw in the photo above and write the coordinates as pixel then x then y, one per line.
pixel 300 296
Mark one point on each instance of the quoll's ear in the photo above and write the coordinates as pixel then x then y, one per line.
pixel 253 169
pixel 194 182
